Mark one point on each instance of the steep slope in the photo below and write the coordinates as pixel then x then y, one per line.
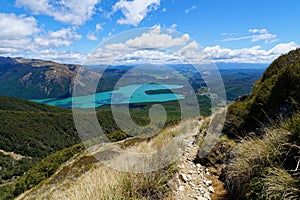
pixel 86 176
pixel 16 104
pixel 30 131
pixel 263 162
pixel 275 95
pixel 39 79
pixel 34 131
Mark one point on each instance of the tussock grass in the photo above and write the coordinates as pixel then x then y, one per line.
pixel 102 182
pixel 251 158
pixel 278 184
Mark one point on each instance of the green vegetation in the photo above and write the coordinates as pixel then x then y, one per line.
pixel 263 164
pixel 39 172
pixel 36 134
pixel 13 168
pixel 15 104
pixel 239 82
pixel 259 156
pixel 84 177
pixel 275 95
pixel 39 79
pixel 263 168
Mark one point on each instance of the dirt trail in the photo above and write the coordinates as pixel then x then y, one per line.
pixel 190 182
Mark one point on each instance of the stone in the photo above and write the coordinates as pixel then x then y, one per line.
pixel 181 188
pixel 192 184
pixel 208 182
pixel 184 177
pixel 189 177
pixel 207 196
pixel 211 189
pixel 180 166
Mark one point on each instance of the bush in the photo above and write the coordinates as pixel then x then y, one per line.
pixel 44 169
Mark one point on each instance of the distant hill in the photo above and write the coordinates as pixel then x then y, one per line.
pixel 275 95
pixel 33 129
pixel 39 79
pixel 16 104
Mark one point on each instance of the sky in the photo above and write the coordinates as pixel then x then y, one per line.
pixel 231 31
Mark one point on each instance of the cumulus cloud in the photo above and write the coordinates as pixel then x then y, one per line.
pixel 257 35
pixel 74 12
pixel 154 39
pixel 14 27
pixel 135 11
pixel 248 55
pixel 16 32
pixel 190 9
pixel 61 56
pixel 62 37
pixel 21 36
pixel 92 36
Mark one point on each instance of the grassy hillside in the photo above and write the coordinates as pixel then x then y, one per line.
pixel 275 95
pixel 35 131
pixel 44 137
pixel 270 171
pixel 86 177
pixel 32 131
pixel 15 104
pixel 260 157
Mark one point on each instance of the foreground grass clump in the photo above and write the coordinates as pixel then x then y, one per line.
pixel 262 168
pixel 102 182
pixel 281 185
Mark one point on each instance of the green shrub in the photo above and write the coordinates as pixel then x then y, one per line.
pixel 44 169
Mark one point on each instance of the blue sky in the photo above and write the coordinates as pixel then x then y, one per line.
pixel 249 31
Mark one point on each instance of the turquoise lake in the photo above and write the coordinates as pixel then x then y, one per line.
pixel 123 95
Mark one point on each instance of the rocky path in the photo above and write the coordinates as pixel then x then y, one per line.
pixel 190 181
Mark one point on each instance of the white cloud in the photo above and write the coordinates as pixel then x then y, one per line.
pixel 14 27
pixel 16 32
pixel 62 37
pixel 154 39
pixel 21 36
pixel 190 9
pixel 173 27
pixel 284 48
pixel 248 55
pixel 92 36
pixel 162 46
pixel 74 12
pixel 135 11
pixel 257 35
pixel 61 56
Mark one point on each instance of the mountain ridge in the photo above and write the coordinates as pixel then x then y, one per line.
pixel 39 79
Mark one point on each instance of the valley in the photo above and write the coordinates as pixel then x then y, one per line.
pixel 51 153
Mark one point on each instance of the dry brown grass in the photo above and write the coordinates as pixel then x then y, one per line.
pixel 102 182
pixel 279 185
pixel 251 158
